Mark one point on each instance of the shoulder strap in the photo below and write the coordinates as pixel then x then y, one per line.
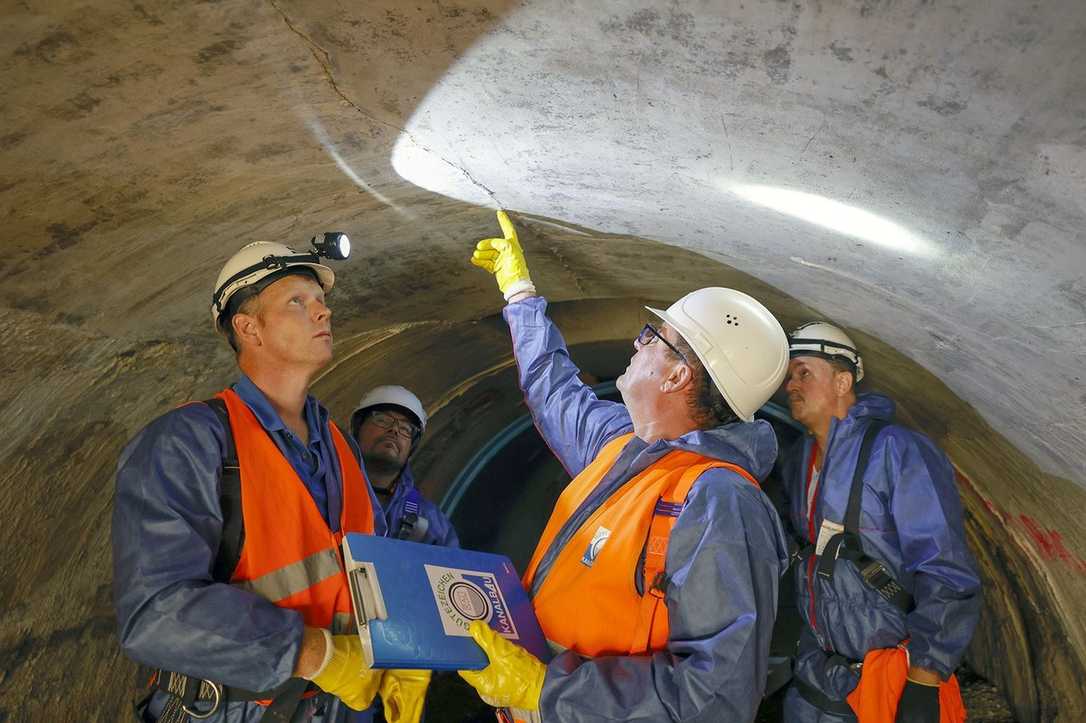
pixel 233 522
pixel 849 545
pixel 855 494
pixel 651 584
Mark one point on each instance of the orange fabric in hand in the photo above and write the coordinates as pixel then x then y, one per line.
pixel 884 672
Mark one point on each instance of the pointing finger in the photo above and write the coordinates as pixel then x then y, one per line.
pixel 507 226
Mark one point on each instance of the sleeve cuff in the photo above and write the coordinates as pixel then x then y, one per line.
pixel 328 650
pixel 926 661
pixel 519 286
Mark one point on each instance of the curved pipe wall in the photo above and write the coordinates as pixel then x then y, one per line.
pixel 143 143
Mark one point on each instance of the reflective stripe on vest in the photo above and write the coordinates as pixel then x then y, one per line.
pixel 290 557
pixel 589 601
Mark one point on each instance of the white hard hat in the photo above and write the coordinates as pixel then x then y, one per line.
pixel 817 338
pixel 389 394
pixel 257 261
pixel 740 343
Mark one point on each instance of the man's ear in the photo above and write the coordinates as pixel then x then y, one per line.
pixel 842 383
pixel 246 329
pixel 680 377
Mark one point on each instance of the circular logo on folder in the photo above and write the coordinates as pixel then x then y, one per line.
pixel 469 600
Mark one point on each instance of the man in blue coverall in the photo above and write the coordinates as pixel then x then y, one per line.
pixel 910 523
pixel 726 550
pixel 388 424
pixel 240 633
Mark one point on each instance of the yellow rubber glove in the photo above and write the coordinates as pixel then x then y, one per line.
pixel 504 258
pixel 346 676
pixel 403 693
pixel 514 678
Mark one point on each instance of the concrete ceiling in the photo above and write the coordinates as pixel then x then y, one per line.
pixel 913 170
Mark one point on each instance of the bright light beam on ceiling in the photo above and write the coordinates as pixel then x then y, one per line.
pixel 837 216
pixel 318 131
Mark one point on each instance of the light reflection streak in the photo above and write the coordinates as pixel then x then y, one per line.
pixel 329 146
pixel 837 216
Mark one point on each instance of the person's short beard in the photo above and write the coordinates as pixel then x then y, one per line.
pixel 382 465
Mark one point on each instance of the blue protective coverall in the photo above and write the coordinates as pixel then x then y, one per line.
pixel 167 523
pixel 436 530
pixel 911 521
pixel 725 556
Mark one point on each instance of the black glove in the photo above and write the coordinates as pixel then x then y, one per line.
pixel 919 703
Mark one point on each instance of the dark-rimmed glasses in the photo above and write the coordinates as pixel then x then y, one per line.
pixel 649 334
pixel 404 428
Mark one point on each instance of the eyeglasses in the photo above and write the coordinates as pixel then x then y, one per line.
pixel 407 430
pixel 649 335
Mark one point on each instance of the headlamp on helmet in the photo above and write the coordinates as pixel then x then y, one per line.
pixel 260 263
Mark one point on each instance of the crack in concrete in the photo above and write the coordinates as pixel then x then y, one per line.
pixel 326 66
pixel 731 156
pixel 813 136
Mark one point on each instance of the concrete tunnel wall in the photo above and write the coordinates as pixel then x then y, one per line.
pixel 142 144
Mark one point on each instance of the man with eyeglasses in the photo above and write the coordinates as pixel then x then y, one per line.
pixel 388 424
pixel 655 580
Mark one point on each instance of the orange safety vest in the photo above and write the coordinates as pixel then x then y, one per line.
pixel 290 557
pixel 882 679
pixel 588 601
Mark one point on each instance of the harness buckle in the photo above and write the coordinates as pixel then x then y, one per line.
pixel 658 588
pixel 876 575
pixel 216 700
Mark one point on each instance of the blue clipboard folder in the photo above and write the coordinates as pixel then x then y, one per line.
pixel 413 603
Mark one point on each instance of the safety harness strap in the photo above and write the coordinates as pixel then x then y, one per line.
pixel 820 700
pixel 848 544
pixel 196 697
pixel 411 518
pixel 233 527
pixel 654 579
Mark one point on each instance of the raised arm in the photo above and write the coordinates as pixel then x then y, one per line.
pixel 574 422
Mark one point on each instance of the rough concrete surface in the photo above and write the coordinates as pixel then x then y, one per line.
pixel 915 170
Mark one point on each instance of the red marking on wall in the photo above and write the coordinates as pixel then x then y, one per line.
pixel 1049 543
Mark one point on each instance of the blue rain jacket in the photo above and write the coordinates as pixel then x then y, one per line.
pixel 167 523
pixel 432 528
pixel 725 557
pixel 910 520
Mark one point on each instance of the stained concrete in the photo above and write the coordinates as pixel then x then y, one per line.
pixel 142 143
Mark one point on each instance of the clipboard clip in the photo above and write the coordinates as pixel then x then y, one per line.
pixel 369 603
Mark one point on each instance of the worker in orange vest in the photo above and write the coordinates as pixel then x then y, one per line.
pixel 655 580
pixel 228 517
